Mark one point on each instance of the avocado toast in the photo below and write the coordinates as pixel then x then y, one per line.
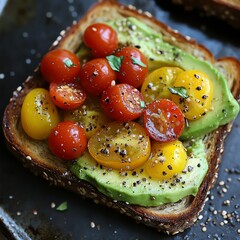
pixel 82 187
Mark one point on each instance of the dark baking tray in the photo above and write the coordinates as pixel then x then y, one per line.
pixel 27 29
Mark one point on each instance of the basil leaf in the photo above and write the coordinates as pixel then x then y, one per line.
pixel 62 207
pixel 68 62
pixel 142 104
pixel 115 62
pixel 180 91
pixel 138 62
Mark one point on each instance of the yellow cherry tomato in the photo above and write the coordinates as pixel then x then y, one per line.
pixel 167 160
pixel 89 115
pixel 157 83
pixel 199 90
pixel 39 115
pixel 121 146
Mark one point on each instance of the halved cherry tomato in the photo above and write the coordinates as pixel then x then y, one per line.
pixel 163 120
pixel 60 66
pixel 67 140
pixel 67 96
pixel 96 75
pixel 200 93
pixel 134 66
pixel 39 115
pixel 101 38
pixel 122 146
pixel 167 160
pixel 89 115
pixel 122 102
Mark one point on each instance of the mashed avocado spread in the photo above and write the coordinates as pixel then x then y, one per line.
pixel 135 187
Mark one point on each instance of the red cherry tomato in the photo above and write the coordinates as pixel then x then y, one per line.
pixel 134 66
pixel 122 102
pixel 67 96
pixel 101 38
pixel 163 120
pixel 67 140
pixel 60 66
pixel 96 75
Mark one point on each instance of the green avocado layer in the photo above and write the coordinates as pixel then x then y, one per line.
pixel 135 187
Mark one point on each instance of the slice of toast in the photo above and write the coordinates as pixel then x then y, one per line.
pixel 35 155
pixel 227 10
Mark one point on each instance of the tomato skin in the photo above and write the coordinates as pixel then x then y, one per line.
pixel 130 72
pixel 39 114
pixel 101 38
pixel 163 120
pixel 122 146
pixel 67 140
pixel 96 75
pixel 122 102
pixel 60 66
pixel 67 96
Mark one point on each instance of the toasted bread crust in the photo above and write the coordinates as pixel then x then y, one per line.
pixel 35 155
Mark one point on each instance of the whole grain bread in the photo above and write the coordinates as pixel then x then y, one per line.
pixel 227 10
pixel 170 218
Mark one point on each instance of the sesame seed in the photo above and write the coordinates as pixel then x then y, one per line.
pixel 204 229
pixel 92 224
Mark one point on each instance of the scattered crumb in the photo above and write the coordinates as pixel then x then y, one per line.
pixel 53 205
pixel 2 76
pixel 92 224
pixel 35 212
pixel 204 229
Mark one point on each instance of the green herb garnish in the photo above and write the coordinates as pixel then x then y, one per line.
pixel 180 91
pixel 142 104
pixel 62 207
pixel 138 62
pixel 68 62
pixel 115 62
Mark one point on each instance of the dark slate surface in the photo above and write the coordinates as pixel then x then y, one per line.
pixel 27 29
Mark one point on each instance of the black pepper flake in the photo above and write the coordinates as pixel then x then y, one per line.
pixel 196 76
pixel 104 151
pixel 123 153
pixel 198 88
pixel 204 96
pixel 199 165
pixel 152 198
pixel 164 173
pixel 190 168
pixel 107 100
pixel 134 173
pixel 169 167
